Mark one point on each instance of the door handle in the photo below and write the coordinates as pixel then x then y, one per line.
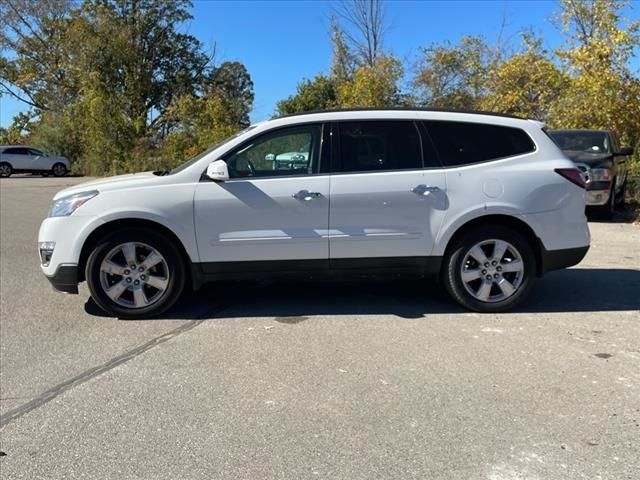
pixel 306 195
pixel 425 190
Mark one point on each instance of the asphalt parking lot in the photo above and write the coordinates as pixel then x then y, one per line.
pixel 319 380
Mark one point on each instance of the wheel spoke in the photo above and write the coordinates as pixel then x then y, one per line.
pixel 471 275
pixel 139 297
pixel 157 282
pixel 479 255
pixel 484 291
pixel 512 266
pixel 506 287
pixel 129 252
pixel 117 290
pixel 152 259
pixel 113 268
pixel 499 250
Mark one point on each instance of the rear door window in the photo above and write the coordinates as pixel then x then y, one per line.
pixel 463 143
pixel 370 146
pixel 16 151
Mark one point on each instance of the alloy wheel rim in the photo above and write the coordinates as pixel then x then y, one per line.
pixel 4 169
pixel 59 169
pixel 134 275
pixel 492 271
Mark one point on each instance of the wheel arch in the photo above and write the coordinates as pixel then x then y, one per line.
pixel 508 221
pixel 119 224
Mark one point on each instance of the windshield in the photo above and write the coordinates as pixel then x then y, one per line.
pixel 193 160
pixel 592 142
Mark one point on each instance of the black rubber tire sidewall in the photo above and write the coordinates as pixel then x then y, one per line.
pixel 54 173
pixel 10 170
pixel 455 256
pixel 154 239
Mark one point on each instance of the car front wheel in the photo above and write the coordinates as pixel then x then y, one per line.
pixel 135 273
pixel 489 269
pixel 59 170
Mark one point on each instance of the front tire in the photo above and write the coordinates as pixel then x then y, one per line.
pixel 135 273
pixel 489 269
pixel 59 170
pixel 604 212
pixel 5 169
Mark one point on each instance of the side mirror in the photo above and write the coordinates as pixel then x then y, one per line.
pixel 218 171
pixel 269 157
pixel 624 151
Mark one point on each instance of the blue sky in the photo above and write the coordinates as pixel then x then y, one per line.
pixel 282 42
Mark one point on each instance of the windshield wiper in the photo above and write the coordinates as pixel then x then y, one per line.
pixel 162 173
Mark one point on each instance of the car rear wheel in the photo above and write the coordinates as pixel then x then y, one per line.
pixel 59 170
pixel 5 169
pixel 135 273
pixel 489 269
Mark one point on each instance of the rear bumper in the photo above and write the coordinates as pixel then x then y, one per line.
pixel 557 259
pixel 65 279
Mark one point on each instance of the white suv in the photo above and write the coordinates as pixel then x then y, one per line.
pixel 486 203
pixel 25 159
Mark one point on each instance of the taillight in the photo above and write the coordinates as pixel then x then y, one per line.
pixel 573 175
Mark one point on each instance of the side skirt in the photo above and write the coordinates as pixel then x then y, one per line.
pixel 337 268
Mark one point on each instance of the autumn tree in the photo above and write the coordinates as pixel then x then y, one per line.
pixel 362 74
pixel 602 92
pixel 454 75
pixel 373 86
pixel 527 84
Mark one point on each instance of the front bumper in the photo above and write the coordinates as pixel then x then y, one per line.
pixel 65 279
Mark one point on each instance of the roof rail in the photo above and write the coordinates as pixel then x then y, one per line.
pixel 401 109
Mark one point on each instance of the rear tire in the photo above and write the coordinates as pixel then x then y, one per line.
pixel 5 170
pixel 135 273
pixel 489 269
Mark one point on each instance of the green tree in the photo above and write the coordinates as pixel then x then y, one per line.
pixel 104 77
pixel 320 93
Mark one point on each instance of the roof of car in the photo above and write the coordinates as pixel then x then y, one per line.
pixel 16 146
pixel 400 109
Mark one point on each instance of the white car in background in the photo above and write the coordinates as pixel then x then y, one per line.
pixel 485 203
pixel 25 159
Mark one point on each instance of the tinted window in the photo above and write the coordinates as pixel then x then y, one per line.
pixel 290 151
pixel 17 151
pixel 581 141
pixel 35 152
pixel 387 145
pixel 460 143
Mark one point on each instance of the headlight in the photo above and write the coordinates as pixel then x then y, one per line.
pixel 600 174
pixel 65 206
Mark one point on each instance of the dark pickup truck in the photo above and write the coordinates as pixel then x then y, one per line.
pixel 599 155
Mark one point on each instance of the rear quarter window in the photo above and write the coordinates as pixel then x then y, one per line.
pixel 462 143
